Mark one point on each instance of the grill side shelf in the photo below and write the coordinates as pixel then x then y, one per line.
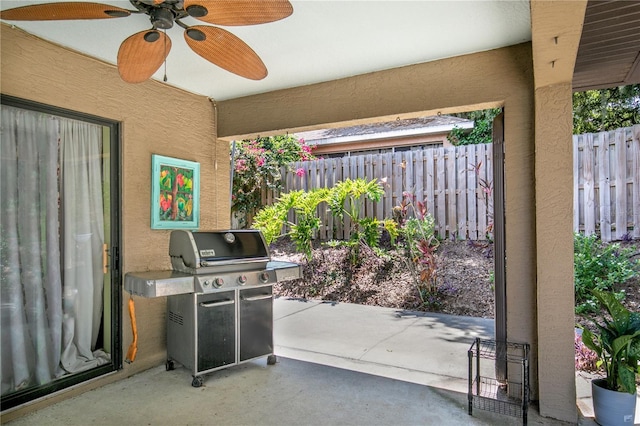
pixel 158 283
pixel 285 270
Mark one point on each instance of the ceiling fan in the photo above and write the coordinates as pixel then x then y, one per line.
pixel 140 55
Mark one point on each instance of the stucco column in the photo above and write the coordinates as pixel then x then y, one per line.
pixel 554 240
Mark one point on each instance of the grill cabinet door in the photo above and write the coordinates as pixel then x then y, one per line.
pixel 216 330
pixel 256 322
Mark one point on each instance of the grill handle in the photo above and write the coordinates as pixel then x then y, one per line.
pixel 260 297
pixel 219 303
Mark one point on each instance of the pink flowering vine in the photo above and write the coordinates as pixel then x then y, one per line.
pixel 258 164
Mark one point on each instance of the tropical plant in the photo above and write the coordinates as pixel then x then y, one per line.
pixel 616 342
pixel 271 219
pixel 599 266
pixel 417 229
pixel 305 205
pixel 345 200
pixel 486 195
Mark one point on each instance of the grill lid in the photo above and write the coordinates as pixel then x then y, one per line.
pixel 217 251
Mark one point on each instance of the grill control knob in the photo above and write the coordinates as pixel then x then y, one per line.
pixel 264 277
pixel 218 282
pixel 242 279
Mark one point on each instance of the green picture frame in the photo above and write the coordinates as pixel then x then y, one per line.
pixel 175 193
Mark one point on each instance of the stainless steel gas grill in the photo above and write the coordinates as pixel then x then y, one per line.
pixel 220 298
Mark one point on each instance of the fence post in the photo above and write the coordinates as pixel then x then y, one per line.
pixel 635 176
pixel 604 185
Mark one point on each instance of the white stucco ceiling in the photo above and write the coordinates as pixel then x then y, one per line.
pixel 323 40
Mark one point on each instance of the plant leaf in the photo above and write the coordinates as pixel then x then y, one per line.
pixel 619 314
pixel 588 340
pixel 626 380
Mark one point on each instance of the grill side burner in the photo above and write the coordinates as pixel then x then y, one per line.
pixel 219 298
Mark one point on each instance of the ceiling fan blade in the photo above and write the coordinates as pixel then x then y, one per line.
pixel 238 12
pixel 63 11
pixel 226 51
pixel 141 55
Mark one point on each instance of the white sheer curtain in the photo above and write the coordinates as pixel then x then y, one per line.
pixel 83 230
pixel 31 285
pixel 40 337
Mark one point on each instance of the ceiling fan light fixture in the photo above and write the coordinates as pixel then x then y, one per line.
pixel 151 36
pixel 197 11
pixel 196 35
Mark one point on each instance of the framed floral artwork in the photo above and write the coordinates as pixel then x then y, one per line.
pixel 175 193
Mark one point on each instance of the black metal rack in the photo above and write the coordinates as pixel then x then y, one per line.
pixel 501 386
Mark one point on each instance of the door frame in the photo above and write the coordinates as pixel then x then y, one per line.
pixel 499 239
pixel 115 263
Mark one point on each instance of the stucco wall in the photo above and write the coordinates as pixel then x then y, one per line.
pixel 554 195
pixel 156 119
pixel 501 77
pixel 556 29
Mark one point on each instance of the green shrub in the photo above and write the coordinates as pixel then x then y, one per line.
pixel 345 200
pixel 598 266
pixel 270 221
pixel 308 222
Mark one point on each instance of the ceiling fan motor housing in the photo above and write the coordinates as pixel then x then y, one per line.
pixel 162 14
pixel 161 18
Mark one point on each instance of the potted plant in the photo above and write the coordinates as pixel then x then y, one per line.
pixel 617 344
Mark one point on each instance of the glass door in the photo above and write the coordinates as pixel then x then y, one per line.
pixel 59 298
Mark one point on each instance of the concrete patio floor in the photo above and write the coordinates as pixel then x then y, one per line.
pixel 338 364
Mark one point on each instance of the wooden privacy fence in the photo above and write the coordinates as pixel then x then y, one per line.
pixel 450 181
pixel 606 174
pixel 453 181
